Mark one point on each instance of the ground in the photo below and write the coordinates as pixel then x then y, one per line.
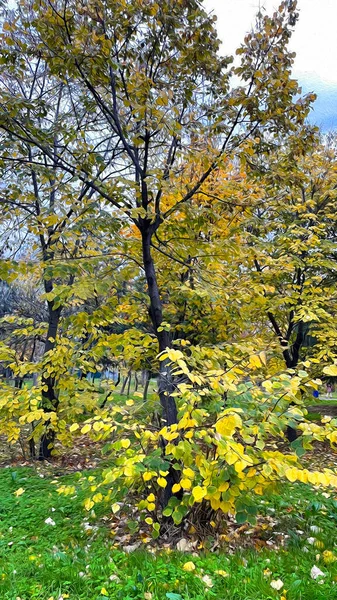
pixel 50 547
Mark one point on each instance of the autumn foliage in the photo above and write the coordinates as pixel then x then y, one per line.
pixel 165 211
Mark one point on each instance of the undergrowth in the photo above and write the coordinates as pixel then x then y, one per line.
pixel 51 548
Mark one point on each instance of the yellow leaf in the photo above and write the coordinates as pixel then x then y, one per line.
pixel 151 498
pixel 225 506
pixel 189 566
pixel 97 498
pixel 104 592
pixel 302 476
pixel 176 487
pixel 115 508
pixel 329 556
pixel 291 474
pixel 174 355
pixel 19 492
pixel 255 362
pixel 313 477
pixel 199 493
pixel 186 484
pixel 231 457
pixel 263 357
pixel 162 482
pixel 74 427
pixel 147 475
pixel 222 573
pixel 188 473
pixel 88 504
pixel 129 402
pixel 86 428
pixel 227 425
pixel 331 370
pixel 125 443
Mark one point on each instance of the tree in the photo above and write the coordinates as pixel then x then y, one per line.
pixel 159 99
pixel 290 253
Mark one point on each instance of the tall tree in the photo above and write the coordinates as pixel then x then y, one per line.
pixel 290 250
pixel 151 102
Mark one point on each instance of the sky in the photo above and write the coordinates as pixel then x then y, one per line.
pixel 314 41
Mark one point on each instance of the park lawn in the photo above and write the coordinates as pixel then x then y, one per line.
pixel 77 558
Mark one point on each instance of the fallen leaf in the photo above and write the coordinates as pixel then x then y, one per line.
pixel 184 545
pixel 276 584
pixel 189 566
pixel 222 573
pixel 131 547
pixel 316 572
pixel 207 581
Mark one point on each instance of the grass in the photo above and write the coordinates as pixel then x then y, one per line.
pixel 77 559
pixel 323 399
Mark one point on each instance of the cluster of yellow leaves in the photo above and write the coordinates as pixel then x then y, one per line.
pixel 220 457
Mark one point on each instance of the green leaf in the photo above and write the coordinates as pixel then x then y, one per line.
pixel 241 517
pixel 167 512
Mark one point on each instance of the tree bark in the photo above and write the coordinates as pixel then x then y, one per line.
pixel 126 380
pixel 50 400
pixel 136 381
pixel 32 450
pixel 166 384
pixel 146 381
pixel 129 384
pixel 165 378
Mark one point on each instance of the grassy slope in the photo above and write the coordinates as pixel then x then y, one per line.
pixel 41 561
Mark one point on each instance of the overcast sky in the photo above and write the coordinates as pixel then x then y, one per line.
pixel 314 41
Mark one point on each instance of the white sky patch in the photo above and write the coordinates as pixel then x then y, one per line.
pixel 314 39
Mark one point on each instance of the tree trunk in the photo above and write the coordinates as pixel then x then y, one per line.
pixel 18 382
pixel 126 380
pixel 165 378
pixel 49 396
pixel 146 381
pixel 291 358
pixel 129 384
pixel 32 450
pixel 136 381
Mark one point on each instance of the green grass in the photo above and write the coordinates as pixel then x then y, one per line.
pixel 41 561
pixel 323 399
